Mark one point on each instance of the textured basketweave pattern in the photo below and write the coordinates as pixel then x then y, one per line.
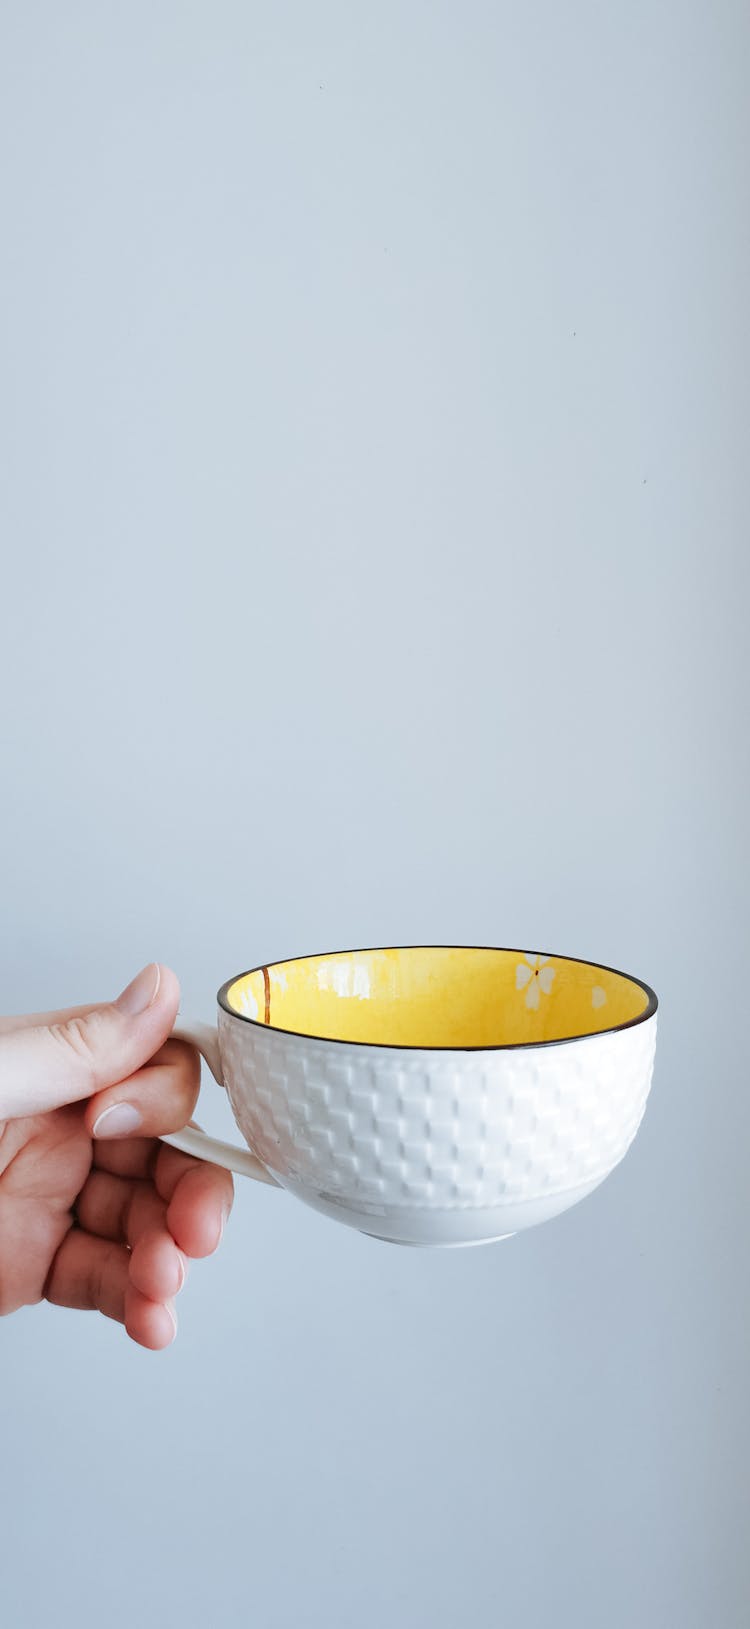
pixel 445 1128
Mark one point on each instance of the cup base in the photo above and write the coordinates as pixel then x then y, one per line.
pixel 443 1228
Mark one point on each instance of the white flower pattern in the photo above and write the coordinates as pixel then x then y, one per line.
pixel 598 996
pixel 533 975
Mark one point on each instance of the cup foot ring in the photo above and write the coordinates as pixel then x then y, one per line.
pixel 441 1244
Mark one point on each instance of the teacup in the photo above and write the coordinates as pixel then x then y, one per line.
pixel 430 1094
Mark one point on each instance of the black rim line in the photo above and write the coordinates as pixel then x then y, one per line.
pixel 410 1046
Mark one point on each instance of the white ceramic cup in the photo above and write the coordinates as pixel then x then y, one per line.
pixel 430 1095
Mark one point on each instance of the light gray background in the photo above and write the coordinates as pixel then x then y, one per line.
pixel 374 404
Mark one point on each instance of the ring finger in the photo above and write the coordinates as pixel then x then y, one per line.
pixel 130 1211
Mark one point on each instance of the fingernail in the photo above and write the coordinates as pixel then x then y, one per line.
pixel 173 1316
pixel 224 1215
pixel 143 990
pixel 182 1274
pixel 120 1120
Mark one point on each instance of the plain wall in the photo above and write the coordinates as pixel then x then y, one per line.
pixel 373 410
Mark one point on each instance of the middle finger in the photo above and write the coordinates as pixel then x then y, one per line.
pixel 157 1098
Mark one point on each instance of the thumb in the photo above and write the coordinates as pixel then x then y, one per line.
pixel 62 1062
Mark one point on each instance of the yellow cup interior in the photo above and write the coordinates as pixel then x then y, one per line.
pixel 439 996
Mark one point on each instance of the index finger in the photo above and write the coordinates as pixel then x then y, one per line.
pixel 160 1096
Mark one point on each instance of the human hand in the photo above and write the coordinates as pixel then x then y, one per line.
pixel 95 1212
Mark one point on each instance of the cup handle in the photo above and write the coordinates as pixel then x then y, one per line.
pixel 193 1141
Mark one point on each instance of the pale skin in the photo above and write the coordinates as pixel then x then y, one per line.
pixel 96 1213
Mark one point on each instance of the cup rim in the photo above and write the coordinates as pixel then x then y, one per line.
pixel 649 1011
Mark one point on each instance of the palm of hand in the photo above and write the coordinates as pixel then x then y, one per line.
pixel 102 1224
pixel 44 1162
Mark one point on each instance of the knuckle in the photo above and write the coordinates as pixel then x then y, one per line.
pixel 74 1038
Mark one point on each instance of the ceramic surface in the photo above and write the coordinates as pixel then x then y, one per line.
pixel 456 1143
